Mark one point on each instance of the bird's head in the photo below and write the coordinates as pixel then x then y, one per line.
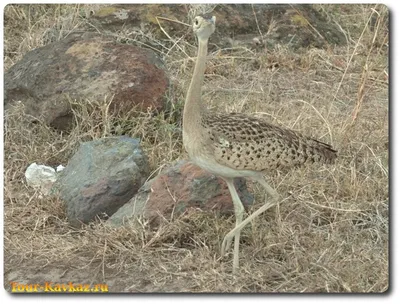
pixel 203 26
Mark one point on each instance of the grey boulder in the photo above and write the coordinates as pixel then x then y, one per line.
pixel 101 177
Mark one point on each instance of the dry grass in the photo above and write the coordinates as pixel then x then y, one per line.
pixel 329 234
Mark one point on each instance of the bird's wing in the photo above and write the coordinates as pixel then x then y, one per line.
pixel 248 143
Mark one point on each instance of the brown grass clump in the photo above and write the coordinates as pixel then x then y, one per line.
pixel 329 233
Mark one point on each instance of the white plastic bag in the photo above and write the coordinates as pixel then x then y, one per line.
pixel 40 177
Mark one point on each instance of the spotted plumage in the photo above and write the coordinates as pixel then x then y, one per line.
pixel 247 143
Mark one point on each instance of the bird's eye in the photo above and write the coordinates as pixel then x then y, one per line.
pixel 196 22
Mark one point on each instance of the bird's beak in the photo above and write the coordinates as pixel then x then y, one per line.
pixel 212 20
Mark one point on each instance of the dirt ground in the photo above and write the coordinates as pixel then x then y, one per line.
pixel 328 234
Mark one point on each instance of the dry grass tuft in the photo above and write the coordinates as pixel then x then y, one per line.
pixel 329 234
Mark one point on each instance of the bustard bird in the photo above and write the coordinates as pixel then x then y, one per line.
pixel 236 145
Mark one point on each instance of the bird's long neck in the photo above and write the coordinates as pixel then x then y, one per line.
pixel 193 106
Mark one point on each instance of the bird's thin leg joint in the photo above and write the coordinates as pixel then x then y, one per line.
pixel 236 231
pixel 239 211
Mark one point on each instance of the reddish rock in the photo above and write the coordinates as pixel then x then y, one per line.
pixel 87 66
pixel 178 189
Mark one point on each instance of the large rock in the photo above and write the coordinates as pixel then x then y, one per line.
pixel 178 189
pixel 298 25
pixel 85 66
pixel 102 176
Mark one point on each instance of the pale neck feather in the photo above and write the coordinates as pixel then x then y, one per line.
pixel 194 107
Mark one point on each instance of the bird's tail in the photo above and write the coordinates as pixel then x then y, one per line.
pixel 325 151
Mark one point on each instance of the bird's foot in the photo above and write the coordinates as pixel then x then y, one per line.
pixel 226 243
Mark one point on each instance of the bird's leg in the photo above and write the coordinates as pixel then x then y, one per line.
pixel 239 210
pixel 235 231
pixel 271 191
